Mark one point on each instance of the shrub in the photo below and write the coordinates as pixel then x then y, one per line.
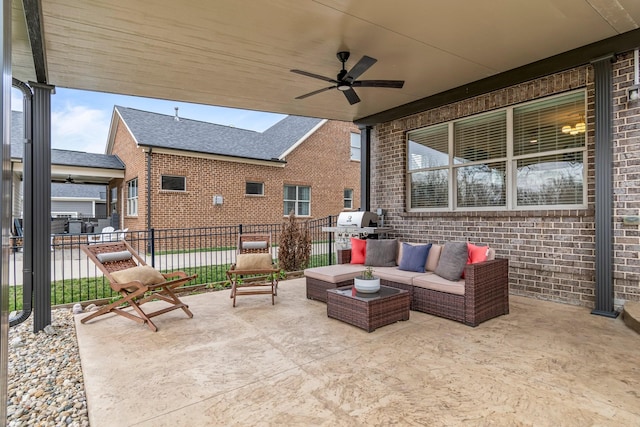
pixel 295 245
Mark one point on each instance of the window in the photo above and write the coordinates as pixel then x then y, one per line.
pixel 132 197
pixel 528 156
pixel 173 183
pixel 355 146
pixel 348 198
pixel 254 188
pixel 297 199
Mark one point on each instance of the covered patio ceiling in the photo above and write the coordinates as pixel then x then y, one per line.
pixel 239 53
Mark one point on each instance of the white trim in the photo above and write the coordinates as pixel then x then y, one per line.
pixel 219 157
pixel 301 140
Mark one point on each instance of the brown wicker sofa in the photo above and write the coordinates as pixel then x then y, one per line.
pixel 481 295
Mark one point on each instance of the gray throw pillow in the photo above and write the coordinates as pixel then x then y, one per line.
pixel 452 260
pixel 381 253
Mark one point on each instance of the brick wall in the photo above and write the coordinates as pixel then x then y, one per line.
pixel 626 167
pixel 551 252
pixel 322 162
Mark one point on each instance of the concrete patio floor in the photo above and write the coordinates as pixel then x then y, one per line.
pixel 544 364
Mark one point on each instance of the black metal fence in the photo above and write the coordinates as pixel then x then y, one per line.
pixel 206 251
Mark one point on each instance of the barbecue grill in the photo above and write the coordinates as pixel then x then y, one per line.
pixel 361 225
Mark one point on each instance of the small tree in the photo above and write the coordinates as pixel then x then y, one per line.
pixel 295 245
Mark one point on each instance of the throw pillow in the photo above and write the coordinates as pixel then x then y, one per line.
pixel 414 257
pixel 381 253
pixel 452 260
pixel 254 262
pixel 113 256
pixel 144 273
pixel 476 254
pixel 358 250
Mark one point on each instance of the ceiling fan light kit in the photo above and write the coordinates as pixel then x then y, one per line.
pixel 345 81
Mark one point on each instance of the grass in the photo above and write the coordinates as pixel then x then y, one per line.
pixel 72 291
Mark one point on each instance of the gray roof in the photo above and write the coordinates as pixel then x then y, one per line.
pixel 88 191
pixel 163 131
pixel 61 157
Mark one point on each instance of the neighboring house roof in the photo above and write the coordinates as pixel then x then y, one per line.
pixel 164 131
pixel 60 157
pixel 81 191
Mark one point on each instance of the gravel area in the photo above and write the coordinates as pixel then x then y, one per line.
pixel 45 383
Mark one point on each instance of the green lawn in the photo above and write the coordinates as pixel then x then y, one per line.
pixel 71 291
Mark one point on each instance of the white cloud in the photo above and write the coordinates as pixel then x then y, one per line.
pixel 79 128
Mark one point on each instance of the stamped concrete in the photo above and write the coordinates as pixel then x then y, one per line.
pixel 544 364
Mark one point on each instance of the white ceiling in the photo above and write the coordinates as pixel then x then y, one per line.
pixel 238 53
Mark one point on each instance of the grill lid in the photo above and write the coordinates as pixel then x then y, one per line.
pixel 357 219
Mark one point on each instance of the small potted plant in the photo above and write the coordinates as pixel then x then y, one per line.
pixel 367 282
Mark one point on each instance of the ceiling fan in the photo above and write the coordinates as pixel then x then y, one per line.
pixel 69 180
pixel 346 81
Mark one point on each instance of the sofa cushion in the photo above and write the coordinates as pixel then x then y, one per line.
pixel 452 260
pixel 414 257
pixel 433 258
pixel 335 273
pixel 381 253
pixel 358 250
pixel 394 274
pixel 437 283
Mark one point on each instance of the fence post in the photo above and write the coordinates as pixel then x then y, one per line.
pixel 330 241
pixel 152 247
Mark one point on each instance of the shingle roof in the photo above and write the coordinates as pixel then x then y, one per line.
pixel 163 131
pixel 88 191
pixel 60 157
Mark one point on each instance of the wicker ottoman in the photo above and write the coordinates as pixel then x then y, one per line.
pixel 368 311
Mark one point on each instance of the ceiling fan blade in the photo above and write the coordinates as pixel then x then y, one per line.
pixel 397 84
pixel 362 66
pixel 315 76
pixel 351 96
pixel 315 92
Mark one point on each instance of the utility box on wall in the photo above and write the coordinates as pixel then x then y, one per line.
pixel 217 200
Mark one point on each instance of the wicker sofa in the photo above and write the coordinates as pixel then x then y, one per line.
pixel 481 295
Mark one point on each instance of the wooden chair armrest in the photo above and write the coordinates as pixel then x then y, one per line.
pixel 175 274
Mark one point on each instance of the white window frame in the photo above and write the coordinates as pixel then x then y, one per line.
pixel 348 199
pixel 184 181
pixel 511 167
pixel 261 193
pixel 132 200
pixel 356 147
pixel 297 200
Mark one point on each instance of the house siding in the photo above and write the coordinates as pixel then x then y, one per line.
pixel 551 253
pixel 322 162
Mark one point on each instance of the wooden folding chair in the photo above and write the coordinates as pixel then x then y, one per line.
pixel 254 271
pixel 137 282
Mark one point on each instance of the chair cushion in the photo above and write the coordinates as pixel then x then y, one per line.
pixel 144 273
pixel 254 262
pixel 334 273
pixel 452 260
pixel 381 253
pixel 113 256
pixel 358 250
pixel 414 257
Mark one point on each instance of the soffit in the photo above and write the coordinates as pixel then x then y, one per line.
pixel 238 53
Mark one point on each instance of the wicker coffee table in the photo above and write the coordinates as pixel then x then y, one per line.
pixel 368 311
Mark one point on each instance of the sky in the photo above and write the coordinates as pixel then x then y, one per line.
pixel 80 119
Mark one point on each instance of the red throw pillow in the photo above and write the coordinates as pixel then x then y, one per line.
pixel 476 254
pixel 358 250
